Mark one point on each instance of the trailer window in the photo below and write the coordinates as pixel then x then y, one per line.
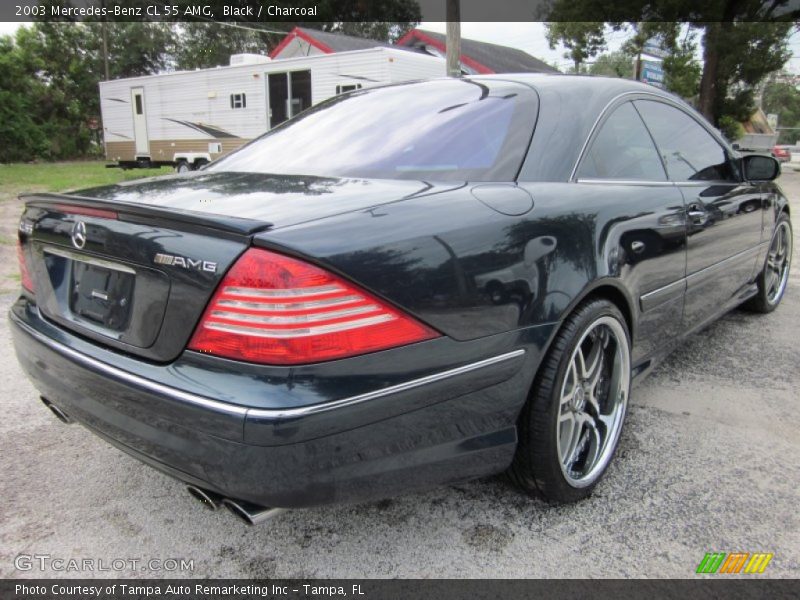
pixel 138 98
pixel 238 101
pixel 456 129
pixel 343 89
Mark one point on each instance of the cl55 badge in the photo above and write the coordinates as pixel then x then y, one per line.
pixel 185 262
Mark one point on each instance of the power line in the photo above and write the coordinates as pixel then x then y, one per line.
pixel 234 25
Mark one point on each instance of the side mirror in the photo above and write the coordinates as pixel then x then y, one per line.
pixel 758 167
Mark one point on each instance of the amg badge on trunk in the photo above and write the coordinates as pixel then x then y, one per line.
pixel 185 262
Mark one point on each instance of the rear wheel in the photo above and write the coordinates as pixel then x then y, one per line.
pixel 570 426
pixel 183 167
pixel 773 278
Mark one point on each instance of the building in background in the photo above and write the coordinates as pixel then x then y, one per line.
pixel 476 57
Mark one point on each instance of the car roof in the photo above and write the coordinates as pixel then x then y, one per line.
pixel 596 86
pixel 569 108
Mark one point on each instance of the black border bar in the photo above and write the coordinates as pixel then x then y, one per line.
pixel 728 587
pixel 309 11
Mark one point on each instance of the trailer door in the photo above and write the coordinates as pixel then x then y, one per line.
pixel 288 93
pixel 139 122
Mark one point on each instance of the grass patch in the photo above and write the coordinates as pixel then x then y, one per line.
pixel 64 176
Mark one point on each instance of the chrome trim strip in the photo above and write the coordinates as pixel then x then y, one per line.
pixel 282 307
pixel 662 295
pixel 127 377
pixel 704 184
pixel 293 320
pixel 298 332
pixel 626 182
pixel 689 183
pixel 259 413
pixel 710 270
pixel 278 413
pixel 99 262
pixel 282 293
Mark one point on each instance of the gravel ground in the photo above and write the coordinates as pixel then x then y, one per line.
pixel 707 462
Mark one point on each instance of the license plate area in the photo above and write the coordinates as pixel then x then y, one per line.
pixel 100 298
pixel 101 294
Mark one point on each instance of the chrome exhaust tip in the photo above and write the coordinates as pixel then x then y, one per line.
pixel 60 414
pixel 209 499
pixel 250 513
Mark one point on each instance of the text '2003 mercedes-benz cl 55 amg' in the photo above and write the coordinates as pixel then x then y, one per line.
pixel 401 287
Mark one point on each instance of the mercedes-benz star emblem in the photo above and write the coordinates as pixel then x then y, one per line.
pixel 79 234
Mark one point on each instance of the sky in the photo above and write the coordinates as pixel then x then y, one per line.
pixel 529 37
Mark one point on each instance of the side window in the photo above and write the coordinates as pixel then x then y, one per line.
pixel 341 89
pixel 238 101
pixel 138 99
pixel 690 152
pixel 622 149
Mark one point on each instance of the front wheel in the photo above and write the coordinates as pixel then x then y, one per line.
pixel 571 424
pixel 773 278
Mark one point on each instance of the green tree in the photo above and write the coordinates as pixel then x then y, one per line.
pixel 682 70
pixel 743 41
pixel 49 81
pixel 204 45
pixel 582 39
pixel 736 58
pixel 22 136
pixel 135 48
pixel 613 64
pixel 783 99
pixel 57 57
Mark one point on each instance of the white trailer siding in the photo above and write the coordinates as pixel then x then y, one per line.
pixel 191 111
pixel 407 66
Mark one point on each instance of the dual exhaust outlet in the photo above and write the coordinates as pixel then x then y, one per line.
pixel 252 514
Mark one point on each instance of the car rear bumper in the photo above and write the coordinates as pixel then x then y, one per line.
pixel 449 425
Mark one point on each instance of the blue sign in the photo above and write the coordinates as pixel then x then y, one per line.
pixel 653 73
pixel 653 48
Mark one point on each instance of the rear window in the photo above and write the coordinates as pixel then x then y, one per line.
pixel 438 130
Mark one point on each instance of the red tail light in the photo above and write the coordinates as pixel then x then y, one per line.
pixel 24 272
pixel 278 310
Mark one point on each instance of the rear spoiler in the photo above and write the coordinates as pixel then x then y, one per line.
pixel 142 213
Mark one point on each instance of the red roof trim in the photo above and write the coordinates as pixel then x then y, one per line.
pixel 422 37
pixel 299 33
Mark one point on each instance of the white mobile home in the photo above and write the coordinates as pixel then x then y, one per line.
pixel 188 118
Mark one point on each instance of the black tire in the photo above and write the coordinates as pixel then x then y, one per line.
pixel 183 167
pixel 537 467
pixel 768 297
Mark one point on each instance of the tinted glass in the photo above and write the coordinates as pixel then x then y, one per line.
pixel 689 151
pixel 436 130
pixel 138 99
pixel 623 149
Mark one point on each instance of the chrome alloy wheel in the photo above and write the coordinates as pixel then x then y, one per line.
pixel 778 261
pixel 593 401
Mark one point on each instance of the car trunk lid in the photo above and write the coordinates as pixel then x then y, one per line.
pixel 133 265
pixel 130 277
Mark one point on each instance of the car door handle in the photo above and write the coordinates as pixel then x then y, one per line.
pixel 696 213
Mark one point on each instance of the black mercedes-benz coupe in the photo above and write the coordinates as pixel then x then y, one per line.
pixel 400 287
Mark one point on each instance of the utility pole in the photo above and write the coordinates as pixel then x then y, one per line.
pixel 453 41
pixel 105 42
